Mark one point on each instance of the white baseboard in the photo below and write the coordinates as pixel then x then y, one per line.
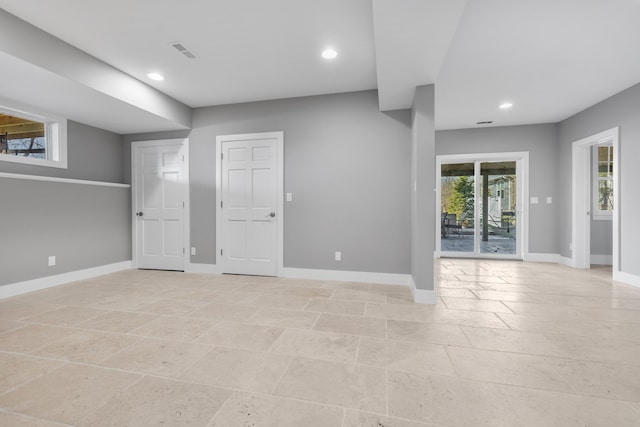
pixel 202 268
pixel 421 296
pixel 601 259
pixel 629 279
pixel 566 261
pixel 541 257
pixel 14 289
pixel 424 297
pixel 347 276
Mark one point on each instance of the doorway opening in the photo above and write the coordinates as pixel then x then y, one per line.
pixel 595 200
pixel 480 205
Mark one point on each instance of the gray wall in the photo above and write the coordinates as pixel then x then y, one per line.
pixel 84 226
pixel 422 188
pixel 601 237
pixel 346 163
pixel 540 142
pixel 621 110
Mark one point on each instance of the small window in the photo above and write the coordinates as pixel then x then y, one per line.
pixel 32 138
pixel 603 181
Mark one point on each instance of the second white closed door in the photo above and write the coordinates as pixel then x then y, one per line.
pixel 249 206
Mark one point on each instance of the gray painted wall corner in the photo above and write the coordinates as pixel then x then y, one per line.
pixel 621 110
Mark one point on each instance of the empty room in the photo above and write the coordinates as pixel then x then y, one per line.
pixel 337 213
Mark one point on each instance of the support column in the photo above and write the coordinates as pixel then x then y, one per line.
pixel 423 195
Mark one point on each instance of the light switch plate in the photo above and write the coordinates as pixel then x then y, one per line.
pixel 534 200
pixel 289 197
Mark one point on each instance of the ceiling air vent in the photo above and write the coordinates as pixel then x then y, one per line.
pixel 183 50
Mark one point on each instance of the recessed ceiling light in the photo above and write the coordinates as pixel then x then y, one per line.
pixel 329 53
pixel 155 76
pixel 506 105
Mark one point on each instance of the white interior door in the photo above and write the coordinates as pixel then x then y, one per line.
pixel 249 203
pixel 160 187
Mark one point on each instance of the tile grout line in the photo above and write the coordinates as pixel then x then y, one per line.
pixel 284 372
pixel 20 414
pixel 227 400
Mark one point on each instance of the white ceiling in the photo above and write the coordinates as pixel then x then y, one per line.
pixel 551 58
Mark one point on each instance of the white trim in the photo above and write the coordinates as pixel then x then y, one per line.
pixel 347 276
pixel 563 260
pixel 56 134
pixel 422 296
pixel 279 137
pixel 581 191
pixel 626 278
pixel 14 289
pixel 601 259
pixel 193 267
pixel 522 211
pixel 542 257
pixel 186 242
pixel 64 180
pixel 481 255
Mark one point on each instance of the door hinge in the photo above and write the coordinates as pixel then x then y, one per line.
pixel 183 251
pixel 221 156
pixel 183 204
pixel 220 203
pixel 220 252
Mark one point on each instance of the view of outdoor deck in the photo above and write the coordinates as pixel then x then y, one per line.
pixel 495 230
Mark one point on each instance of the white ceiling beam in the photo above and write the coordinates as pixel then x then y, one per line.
pixel 412 38
pixel 30 45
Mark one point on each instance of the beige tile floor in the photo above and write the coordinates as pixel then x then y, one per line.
pixel 507 344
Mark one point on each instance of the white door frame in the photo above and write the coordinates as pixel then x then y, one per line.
pixel 279 137
pixel 522 212
pixel 187 205
pixel 581 197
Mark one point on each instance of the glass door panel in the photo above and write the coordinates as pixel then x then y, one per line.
pixel 497 208
pixel 457 195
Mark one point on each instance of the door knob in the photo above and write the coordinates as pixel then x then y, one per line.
pixel 271 214
pixel 139 213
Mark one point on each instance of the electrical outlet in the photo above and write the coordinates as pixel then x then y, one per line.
pixel 52 261
pixel 338 256
pixel 193 251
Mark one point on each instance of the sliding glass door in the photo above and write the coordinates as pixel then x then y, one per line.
pixel 480 203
